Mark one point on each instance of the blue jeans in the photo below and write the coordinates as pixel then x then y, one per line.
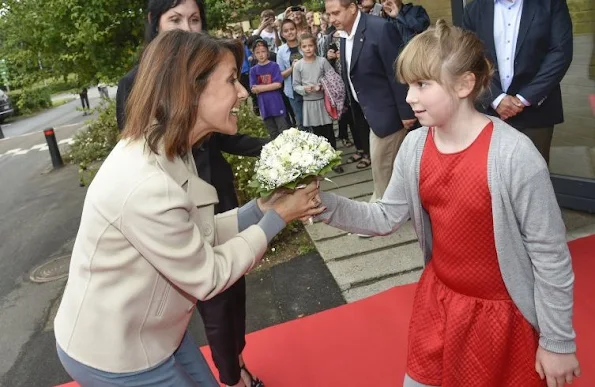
pixel 297 105
pixel 187 367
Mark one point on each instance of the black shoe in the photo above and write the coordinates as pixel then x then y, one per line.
pixel 338 169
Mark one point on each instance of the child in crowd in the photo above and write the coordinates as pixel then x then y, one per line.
pixel 288 54
pixel 307 73
pixel 266 81
pixel 494 304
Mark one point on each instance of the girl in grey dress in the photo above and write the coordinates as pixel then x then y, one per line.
pixel 307 73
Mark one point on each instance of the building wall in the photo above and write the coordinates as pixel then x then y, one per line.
pixel 582 12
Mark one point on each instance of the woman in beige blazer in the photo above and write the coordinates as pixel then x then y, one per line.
pixel 149 245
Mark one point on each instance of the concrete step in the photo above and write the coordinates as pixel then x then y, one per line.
pixel 348 168
pixel 354 191
pixel 347 179
pixel 361 292
pixel 349 245
pixel 370 267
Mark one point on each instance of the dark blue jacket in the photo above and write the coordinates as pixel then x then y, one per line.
pixel 375 50
pixel 543 55
pixel 410 21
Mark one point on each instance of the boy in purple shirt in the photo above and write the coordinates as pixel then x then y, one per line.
pixel 266 82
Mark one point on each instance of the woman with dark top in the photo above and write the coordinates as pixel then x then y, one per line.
pixel 224 316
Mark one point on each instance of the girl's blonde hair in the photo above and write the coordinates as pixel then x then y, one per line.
pixel 443 54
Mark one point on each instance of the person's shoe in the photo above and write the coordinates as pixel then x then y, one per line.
pixel 364 236
pixel 338 169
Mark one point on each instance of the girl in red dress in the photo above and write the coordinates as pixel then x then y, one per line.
pixel 494 304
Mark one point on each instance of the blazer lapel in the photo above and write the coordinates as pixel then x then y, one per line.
pixel 529 8
pixel 358 40
pixel 183 172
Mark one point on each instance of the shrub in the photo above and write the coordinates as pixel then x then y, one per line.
pixel 243 167
pixel 92 145
pixel 29 100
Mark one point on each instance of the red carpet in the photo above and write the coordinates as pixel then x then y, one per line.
pixel 364 343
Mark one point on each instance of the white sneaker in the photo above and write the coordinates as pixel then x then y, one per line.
pixel 364 236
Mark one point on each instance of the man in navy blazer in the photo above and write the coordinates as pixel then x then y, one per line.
pixel 369 47
pixel 530 44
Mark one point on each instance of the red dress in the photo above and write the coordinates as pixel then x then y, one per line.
pixel 465 330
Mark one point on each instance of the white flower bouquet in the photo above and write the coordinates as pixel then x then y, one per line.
pixel 292 159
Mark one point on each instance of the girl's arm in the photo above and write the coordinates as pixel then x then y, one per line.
pixel 544 236
pixel 380 218
pixel 297 79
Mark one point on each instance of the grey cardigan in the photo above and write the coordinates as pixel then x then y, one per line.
pixel 529 232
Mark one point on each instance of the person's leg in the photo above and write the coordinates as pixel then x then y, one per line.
pixel 297 107
pixel 290 116
pixel 168 373
pixel 383 153
pixel 219 319
pixel 542 139
pixel 361 130
pixel 281 123
pixel 329 134
pixel 82 100
pixel 408 382
pixel 271 126
pixel 189 357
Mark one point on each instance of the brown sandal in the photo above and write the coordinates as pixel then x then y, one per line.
pixel 355 157
pixel 364 163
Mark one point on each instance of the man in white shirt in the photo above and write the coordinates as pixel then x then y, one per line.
pixel 382 117
pixel 530 44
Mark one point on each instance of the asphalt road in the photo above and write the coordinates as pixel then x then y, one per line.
pixel 40 210
pixel 67 114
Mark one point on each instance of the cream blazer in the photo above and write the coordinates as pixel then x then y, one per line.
pixel 147 248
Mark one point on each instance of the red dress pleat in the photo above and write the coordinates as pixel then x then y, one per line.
pixel 465 330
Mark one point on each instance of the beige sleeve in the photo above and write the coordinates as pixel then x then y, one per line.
pixel 156 220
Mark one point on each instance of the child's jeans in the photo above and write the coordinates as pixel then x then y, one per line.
pixel 276 125
pixel 187 367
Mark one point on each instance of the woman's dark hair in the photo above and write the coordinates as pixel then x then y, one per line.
pixel 173 73
pixel 156 8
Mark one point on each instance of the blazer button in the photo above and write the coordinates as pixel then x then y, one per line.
pixel 207 230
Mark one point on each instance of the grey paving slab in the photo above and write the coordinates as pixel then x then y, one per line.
pixel 348 168
pixel 345 180
pixel 354 191
pixel 349 245
pixel 361 292
pixel 367 268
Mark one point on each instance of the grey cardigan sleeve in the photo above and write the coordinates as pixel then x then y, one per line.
pixel 544 236
pixel 380 218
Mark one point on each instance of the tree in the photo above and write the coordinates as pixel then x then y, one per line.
pixel 98 40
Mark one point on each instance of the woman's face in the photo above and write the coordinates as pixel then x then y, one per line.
pixel 297 17
pixel 219 103
pixel 185 16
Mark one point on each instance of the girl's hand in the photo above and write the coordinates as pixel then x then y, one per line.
pixel 317 88
pixel 557 368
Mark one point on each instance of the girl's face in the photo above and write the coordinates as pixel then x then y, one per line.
pixel 308 47
pixel 297 17
pixel 289 32
pixel 432 103
pixel 185 16
pixel 220 101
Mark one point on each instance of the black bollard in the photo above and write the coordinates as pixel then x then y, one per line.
pixel 50 138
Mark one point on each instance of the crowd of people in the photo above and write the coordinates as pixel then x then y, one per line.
pixel 456 124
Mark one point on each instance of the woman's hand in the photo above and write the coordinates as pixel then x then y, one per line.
pixel 292 205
